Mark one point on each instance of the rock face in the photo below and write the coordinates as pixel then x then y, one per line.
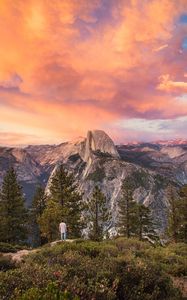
pixel 99 141
pixel 95 160
pixel 29 172
pixel 108 173
pixel 168 161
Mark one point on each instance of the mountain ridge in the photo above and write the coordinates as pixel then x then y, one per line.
pixel 96 160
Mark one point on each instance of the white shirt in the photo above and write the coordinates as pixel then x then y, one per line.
pixel 62 227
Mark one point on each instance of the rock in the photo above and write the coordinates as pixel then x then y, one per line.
pixel 95 160
pixel 98 140
pixel 18 256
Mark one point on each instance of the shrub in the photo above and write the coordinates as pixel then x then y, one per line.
pixel 6 263
pixel 52 291
pixel 109 270
pixel 6 248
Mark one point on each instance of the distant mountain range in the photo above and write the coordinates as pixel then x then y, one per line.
pixel 96 160
pixel 174 142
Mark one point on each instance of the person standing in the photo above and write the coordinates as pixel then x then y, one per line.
pixel 63 230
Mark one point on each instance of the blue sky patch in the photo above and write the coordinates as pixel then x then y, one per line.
pixel 184 44
pixel 183 19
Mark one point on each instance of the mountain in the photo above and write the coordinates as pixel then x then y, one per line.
pixel 168 161
pixel 96 160
pixel 173 142
pixel 28 170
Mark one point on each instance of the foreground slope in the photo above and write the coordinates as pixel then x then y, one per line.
pixel 115 269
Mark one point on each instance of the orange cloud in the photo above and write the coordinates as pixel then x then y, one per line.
pixel 169 85
pixel 68 66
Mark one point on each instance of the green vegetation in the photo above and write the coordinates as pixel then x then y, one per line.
pixel 122 268
pixel 97 176
pixel 6 263
pixel 183 214
pixel 97 214
pixel 177 214
pixel 141 178
pixel 160 182
pixel 36 211
pixel 64 203
pixel 134 218
pixel 13 214
pixel 127 209
pixel 102 155
pixel 5 247
pixel 115 269
pixel 49 221
pixel 144 225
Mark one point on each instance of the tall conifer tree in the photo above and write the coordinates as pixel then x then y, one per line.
pixel 97 214
pixel 127 209
pixel 64 192
pixel 144 225
pixel 13 214
pixel 134 218
pixel 173 213
pixel 183 214
pixel 49 220
pixel 38 206
pixel 177 213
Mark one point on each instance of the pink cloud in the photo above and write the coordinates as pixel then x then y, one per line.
pixel 82 64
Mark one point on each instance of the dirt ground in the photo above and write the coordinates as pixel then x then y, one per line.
pixel 18 256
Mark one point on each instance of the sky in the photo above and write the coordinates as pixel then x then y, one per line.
pixel 68 66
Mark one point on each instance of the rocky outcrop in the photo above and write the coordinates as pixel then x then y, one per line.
pixel 98 141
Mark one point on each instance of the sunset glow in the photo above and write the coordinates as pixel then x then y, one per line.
pixel 67 66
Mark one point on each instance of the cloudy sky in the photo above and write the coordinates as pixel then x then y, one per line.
pixel 67 66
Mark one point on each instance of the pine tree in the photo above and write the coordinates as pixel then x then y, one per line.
pixel 13 214
pixel 177 213
pixel 39 201
pixel 97 214
pixel 174 218
pixel 64 192
pixel 38 206
pixel 50 219
pixel 144 224
pixel 134 218
pixel 127 209
pixel 183 214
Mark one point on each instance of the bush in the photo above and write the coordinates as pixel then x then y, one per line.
pixel 6 263
pixel 116 269
pixel 50 292
pixel 6 248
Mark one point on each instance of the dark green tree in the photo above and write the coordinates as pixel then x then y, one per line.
pixel 127 209
pixel 183 214
pixel 39 201
pixel 177 213
pixel 64 191
pixel 134 218
pixel 173 213
pixel 98 215
pixel 144 225
pixel 13 214
pixel 38 206
pixel 49 220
